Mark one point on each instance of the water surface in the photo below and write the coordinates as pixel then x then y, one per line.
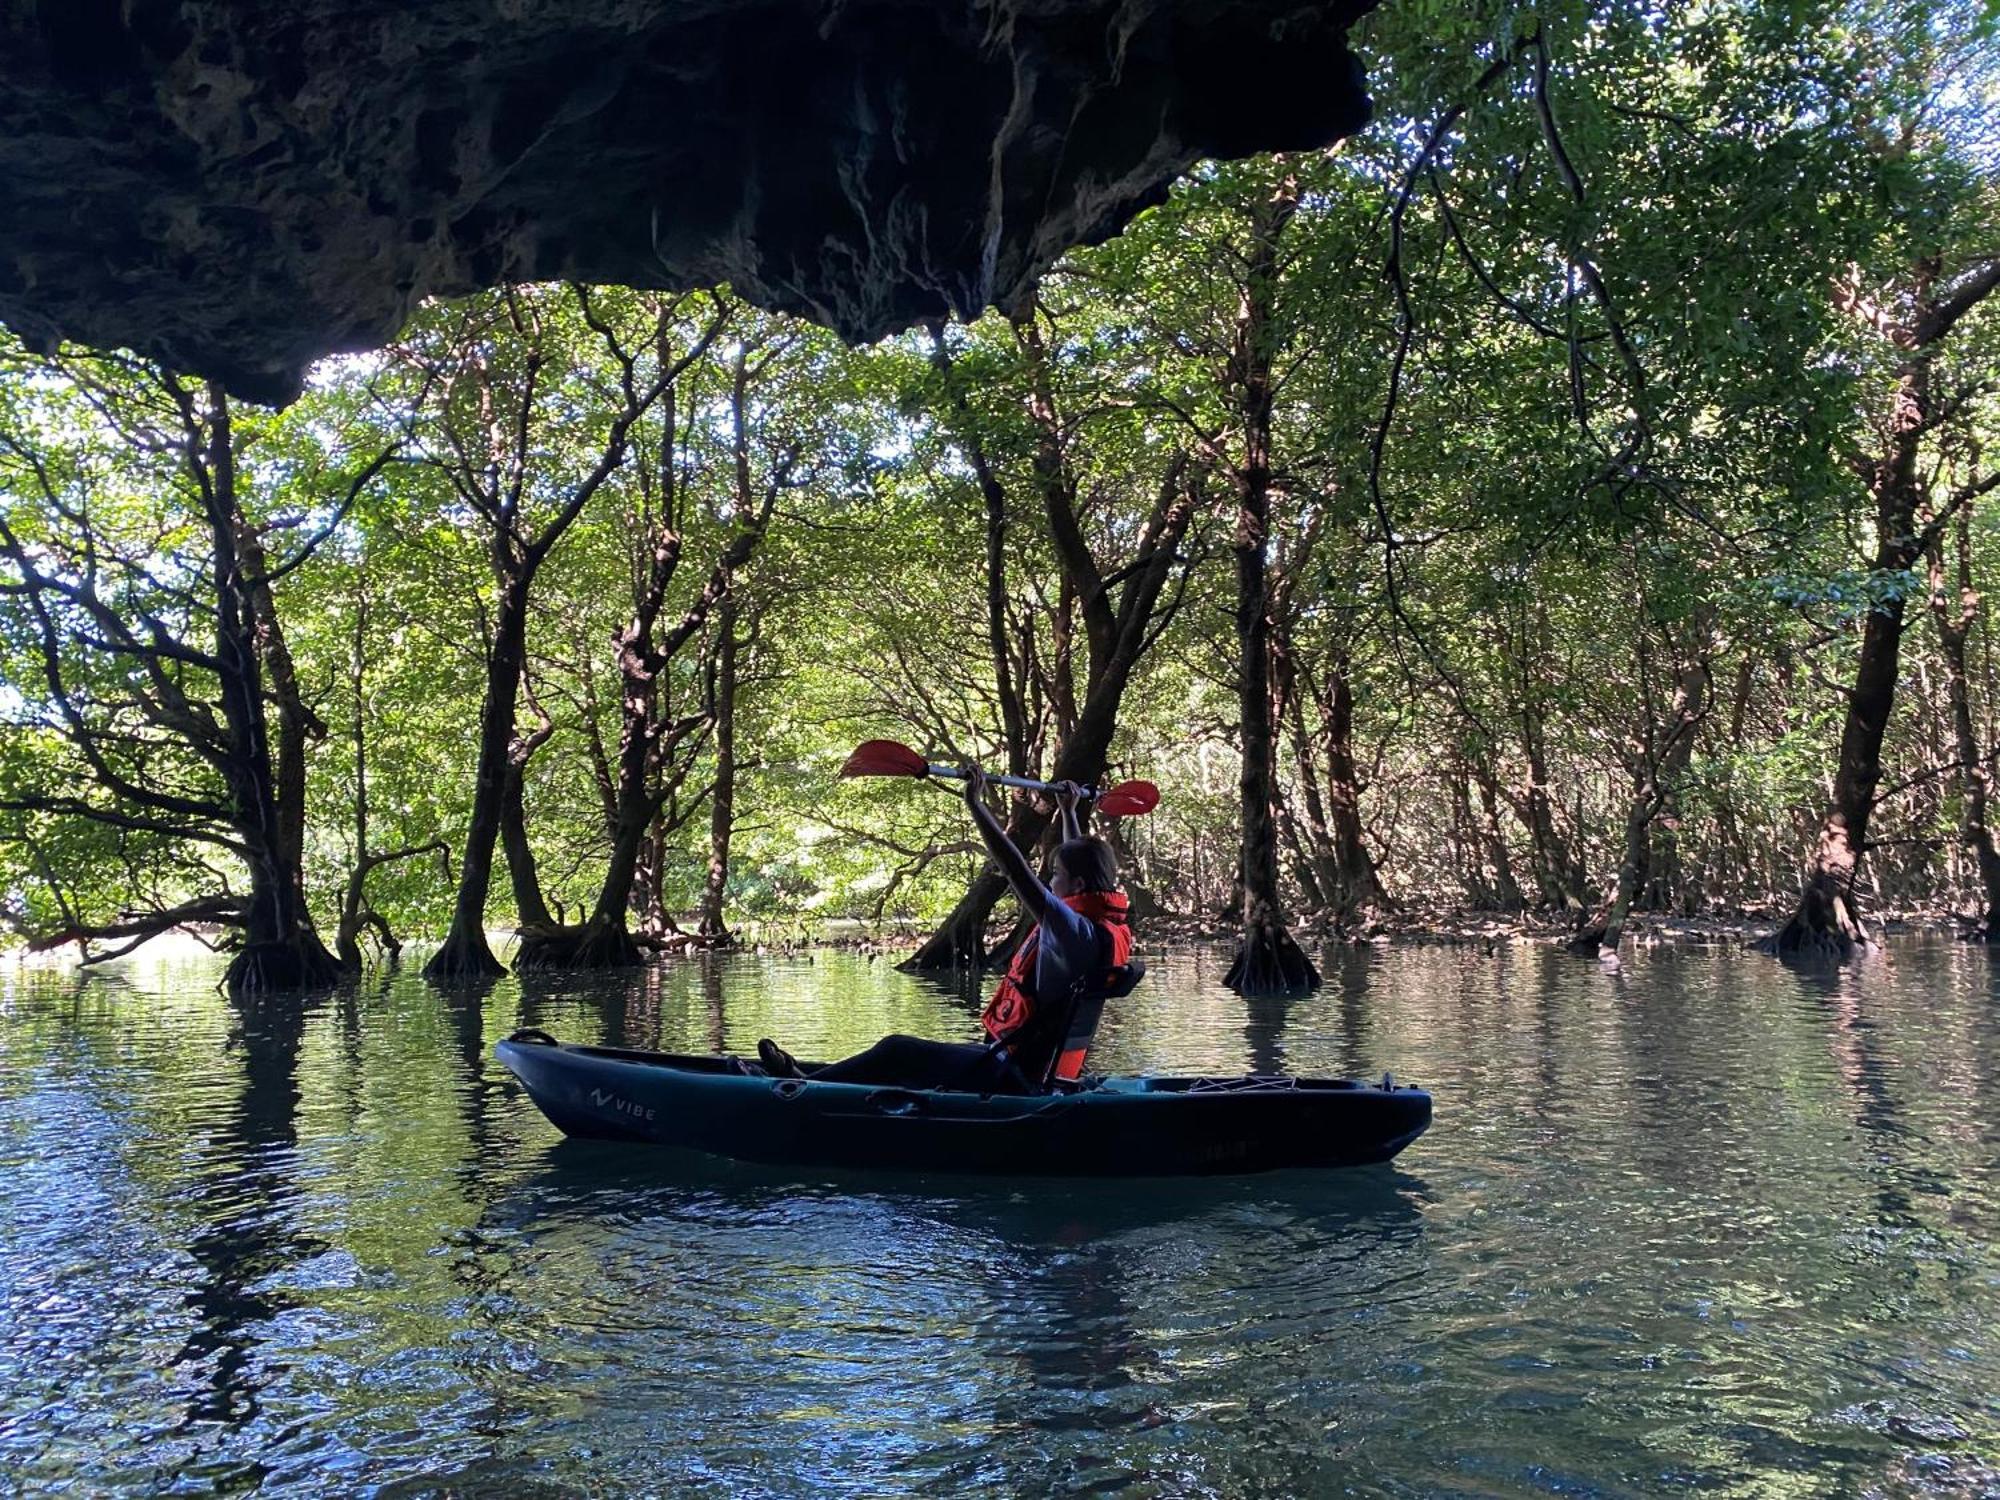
pixel 1701 1225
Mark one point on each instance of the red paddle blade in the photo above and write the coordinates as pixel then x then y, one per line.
pixel 1129 799
pixel 884 758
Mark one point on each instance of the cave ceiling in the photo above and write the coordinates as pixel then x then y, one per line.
pixel 238 187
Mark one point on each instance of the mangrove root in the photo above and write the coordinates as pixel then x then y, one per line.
pixel 297 963
pixel 1825 926
pixel 462 960
pixel 1269 962
pixel 594 945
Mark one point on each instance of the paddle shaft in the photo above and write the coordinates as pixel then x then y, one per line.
pixel 889 758
pixel 1000 779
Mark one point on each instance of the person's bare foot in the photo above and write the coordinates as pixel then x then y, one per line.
pixel 777 1061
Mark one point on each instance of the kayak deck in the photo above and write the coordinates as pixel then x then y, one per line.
pixel 1124 1126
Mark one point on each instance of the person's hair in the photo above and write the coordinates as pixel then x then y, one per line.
pixel 1090 863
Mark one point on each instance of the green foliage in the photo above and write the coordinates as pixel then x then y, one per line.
pixel 1612 434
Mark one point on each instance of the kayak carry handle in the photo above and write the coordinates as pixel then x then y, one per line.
pixel 536 1035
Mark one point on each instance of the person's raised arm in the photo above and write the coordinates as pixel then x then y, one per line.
pixel 1068 796
pixel 1012 862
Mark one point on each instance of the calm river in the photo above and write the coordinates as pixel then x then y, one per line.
pixel 1703 1225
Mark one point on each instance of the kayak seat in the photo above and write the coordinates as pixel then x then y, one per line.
pixel 1079 1027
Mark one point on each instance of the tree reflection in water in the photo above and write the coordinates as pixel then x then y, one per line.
pixel 1704 1222
pixel 242 1194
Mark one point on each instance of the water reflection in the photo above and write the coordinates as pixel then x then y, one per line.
pixel 1338 1012
pixel 836 1307
pixel 717 1034
pixel 241 1195
pixel 1701 1223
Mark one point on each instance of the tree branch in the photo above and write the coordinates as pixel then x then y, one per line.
pixel 142 925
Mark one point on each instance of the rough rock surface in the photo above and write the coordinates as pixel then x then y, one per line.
pixel 240 186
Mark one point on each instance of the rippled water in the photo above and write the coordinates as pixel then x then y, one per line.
pixel 1705 1224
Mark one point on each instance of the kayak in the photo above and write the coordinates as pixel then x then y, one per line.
pixel 1103 1127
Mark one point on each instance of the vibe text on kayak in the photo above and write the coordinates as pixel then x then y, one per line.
pixel 624 1106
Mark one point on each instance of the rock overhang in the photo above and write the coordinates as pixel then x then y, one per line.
pixel 238 187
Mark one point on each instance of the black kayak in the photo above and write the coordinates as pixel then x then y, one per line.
pixel 1106 1127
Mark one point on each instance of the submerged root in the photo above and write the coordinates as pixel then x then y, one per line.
pixel 463 958
pixel 1269 962
pixel 289 966
pixel 958 945
pixel 1588 943
pixel 1826 926
pixel 1599 937
pixel 594 945
pixel 1983 927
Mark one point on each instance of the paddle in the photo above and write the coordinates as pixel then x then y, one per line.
pixel 1128 799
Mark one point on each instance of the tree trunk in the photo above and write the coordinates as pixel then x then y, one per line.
pixel 1468 860
pixel 1306 864
pixel 1664 755
pixel 355 914
pixel 1117 638
pixel 1731 858
pixel 465 953
pixel 649 892
pixel 604 940
pixel 1606 932
pixel 347 936
pixel 722 800
pixel 960 940
pixel 500 485
pixel 1828 920
pixel 1313 855
pixel 1955 619
pixel 1268 961
pixel 281 950
pixel 1140 896
pixel 1551 861
pixel 1506 889
pixel 531 907
pixel 1358 886
pixel 297 724
pixel 648 772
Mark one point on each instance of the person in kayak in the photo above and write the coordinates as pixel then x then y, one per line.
pixel 1081 933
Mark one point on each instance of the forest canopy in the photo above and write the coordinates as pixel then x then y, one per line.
pixel 1574 494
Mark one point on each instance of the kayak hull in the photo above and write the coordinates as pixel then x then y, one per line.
pixel 1115 1127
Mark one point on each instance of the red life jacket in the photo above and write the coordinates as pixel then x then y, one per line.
pixel 1011 1011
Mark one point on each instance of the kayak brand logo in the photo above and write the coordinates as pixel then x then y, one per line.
pixel 601 1098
